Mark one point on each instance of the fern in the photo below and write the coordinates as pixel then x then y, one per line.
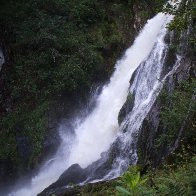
pixel 169 182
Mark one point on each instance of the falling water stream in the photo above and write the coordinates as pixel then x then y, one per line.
pixel 100 128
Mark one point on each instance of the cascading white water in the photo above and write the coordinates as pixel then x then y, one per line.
pixel 96 133
pixel 99 129
pixel 145 88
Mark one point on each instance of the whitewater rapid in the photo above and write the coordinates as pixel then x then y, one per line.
pixel 99 130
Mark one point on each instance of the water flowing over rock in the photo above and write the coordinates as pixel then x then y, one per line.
pixel 95 134
pixel 153 127
pixel 145 88
pixel 132 139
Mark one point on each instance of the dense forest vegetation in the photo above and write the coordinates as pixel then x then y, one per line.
pixel 54 48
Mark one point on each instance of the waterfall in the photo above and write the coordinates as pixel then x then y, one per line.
pixel 146 85
pixel 100 129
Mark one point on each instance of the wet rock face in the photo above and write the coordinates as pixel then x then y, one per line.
pixel 2 59
pixel 127 107
pixel 6 170
pixel 153 128
pixel 73 175
pixel 24 148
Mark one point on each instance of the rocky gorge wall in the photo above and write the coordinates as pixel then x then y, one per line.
pixel 170 122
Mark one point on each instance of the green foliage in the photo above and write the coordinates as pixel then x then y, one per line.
pixel 168 181
pixel 132 182
pixel 56 46
pixel 177 182
pixel 177 175
pixel 130 97
pixel 29 124
pixel 174 111
pixel 184 20
pixel 178 178
pixel 182 14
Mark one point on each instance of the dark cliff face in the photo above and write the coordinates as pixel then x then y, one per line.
pixel 169 121
pixel 172 114
pixel 157 139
